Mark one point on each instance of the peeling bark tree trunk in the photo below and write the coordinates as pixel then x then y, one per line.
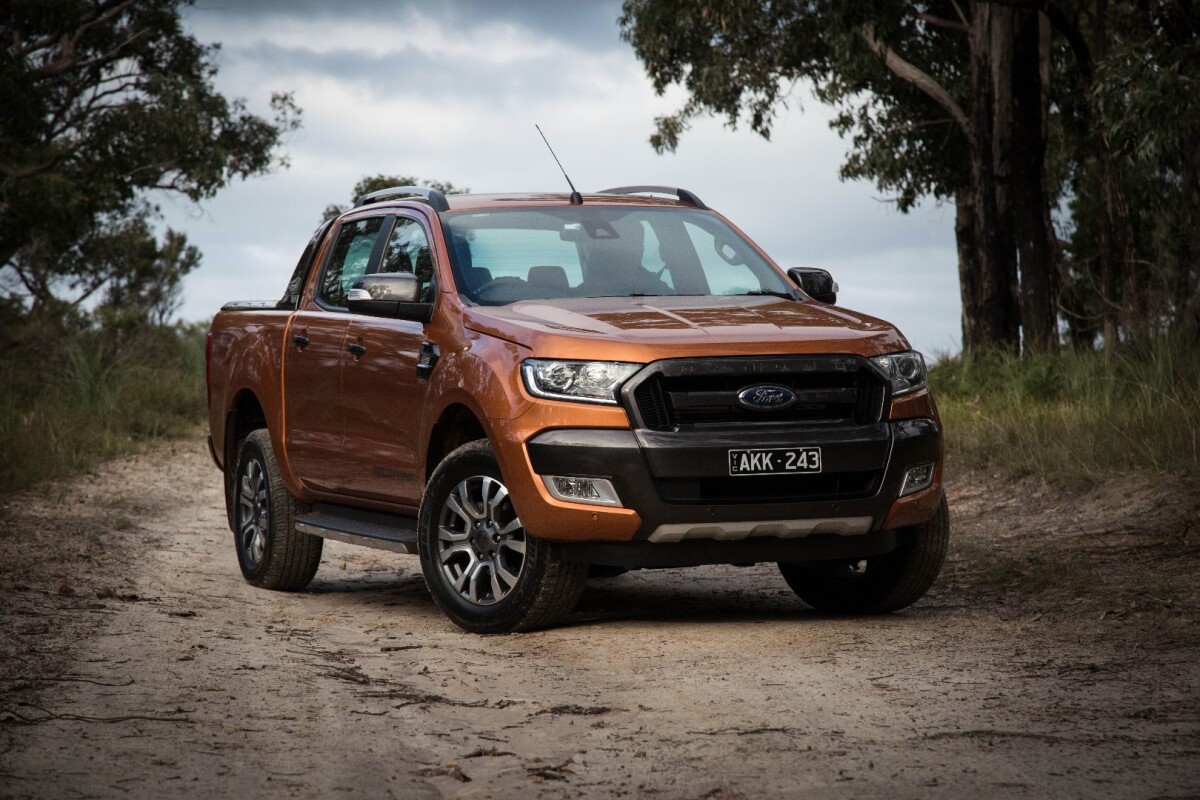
pixel 1030 212
pixel 996 317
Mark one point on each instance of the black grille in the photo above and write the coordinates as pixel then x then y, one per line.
pixel 847 393
pixel 769 488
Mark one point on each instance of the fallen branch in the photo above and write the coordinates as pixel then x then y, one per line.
pixel 415 697
pixel 748 732
pixel 573 710
pixel 21 719
pixel 76 679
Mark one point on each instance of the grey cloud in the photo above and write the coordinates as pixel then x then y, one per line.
pixel 408 71
pixel 589 24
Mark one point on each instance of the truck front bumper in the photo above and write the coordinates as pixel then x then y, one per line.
pixel 679 487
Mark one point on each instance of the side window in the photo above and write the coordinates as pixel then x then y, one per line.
pixel 349 259
pixel 408 251
pixel 723 263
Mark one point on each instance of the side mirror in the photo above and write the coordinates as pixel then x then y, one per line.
pixel 389 294
pixel 816 283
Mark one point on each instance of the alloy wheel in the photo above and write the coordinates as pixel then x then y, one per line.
pixel 480 541
pixel 254 511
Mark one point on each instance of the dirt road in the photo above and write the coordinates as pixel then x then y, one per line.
pixel 136 663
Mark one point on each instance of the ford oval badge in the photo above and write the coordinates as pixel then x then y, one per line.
pixel 766 397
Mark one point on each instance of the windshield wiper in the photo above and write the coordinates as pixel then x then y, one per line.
pixel 770 292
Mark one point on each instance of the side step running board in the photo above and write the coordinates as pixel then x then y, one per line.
pixel 356 526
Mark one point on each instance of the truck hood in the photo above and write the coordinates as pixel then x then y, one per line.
pixel 644 329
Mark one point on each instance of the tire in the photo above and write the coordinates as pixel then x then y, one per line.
pixel 876 585
pixel 271 553
pixel 482 569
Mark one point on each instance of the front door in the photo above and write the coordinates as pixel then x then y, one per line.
pixel 381 391
pixel 314 360
pixel 382 399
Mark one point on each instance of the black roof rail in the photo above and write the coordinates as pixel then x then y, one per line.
pixel 683 194
pixel 432 196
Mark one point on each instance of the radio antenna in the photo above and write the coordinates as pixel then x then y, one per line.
pixel 576 197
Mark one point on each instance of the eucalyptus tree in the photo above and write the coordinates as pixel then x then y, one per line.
pixel 106 104
pixel 925 92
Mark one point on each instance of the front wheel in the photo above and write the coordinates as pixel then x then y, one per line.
pixel 484 571
pixel 270 551
pixel 876 585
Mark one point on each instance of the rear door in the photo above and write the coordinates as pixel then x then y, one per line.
pixel 381 389
pixel 314 358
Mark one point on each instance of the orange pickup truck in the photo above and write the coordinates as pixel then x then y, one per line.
pixel 524 388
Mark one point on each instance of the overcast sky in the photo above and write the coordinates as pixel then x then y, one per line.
pixel 451 91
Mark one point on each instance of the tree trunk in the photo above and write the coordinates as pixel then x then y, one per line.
pixel 1185 300
pixel 996 319
pixel 968 268
pixel 1030 212
pixel 1109 302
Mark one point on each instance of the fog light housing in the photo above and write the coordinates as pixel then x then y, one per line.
pixel 917 478
pixel 596 491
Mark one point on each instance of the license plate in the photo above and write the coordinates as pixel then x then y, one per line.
pixel 780 461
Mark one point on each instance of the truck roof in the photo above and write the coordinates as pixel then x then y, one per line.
pixel 626 195
pixel 459 202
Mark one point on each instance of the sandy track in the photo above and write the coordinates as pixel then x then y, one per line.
pixel 138 664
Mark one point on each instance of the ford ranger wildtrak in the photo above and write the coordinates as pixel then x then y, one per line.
pixel 521 388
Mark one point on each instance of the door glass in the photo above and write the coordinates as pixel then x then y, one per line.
pixel 348 262
pixel 408 251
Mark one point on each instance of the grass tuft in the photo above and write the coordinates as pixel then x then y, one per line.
pixel 1074 417
pixel 96 397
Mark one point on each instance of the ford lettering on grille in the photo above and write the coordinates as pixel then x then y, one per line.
pixel 766 397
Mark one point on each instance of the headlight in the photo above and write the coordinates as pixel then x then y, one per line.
pixel 906 371
pixel 582 381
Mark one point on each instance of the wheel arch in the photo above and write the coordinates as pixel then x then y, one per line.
pixel 455 426
pixel 245 415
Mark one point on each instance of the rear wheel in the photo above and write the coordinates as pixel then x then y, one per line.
pixel 876 585
pixel 271 553
pixel 484 571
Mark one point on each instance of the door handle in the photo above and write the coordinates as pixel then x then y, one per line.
pixel 356 349
pixel 300 340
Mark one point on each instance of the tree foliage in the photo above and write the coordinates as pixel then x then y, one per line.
pixel 106 102
pixel 1138 185
pixel 146 277
pixel 744 61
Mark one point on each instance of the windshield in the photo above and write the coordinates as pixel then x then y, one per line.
pixel 502 256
